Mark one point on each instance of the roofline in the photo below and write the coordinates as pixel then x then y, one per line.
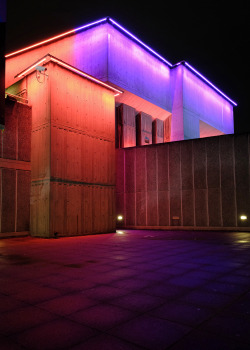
pixel 54 38
pixel 133 37
pixel 46 59
pixel 192 69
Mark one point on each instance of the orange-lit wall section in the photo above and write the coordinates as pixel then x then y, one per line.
pixel 74 149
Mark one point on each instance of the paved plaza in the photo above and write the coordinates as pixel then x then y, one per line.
pixel 128 290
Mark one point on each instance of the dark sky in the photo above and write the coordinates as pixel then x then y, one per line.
pixel 212 37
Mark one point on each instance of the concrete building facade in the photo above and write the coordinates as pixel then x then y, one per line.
pixel 97 88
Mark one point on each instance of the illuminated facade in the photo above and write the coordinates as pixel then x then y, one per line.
pixel 89 89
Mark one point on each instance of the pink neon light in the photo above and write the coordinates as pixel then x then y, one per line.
pixel 28 69
pixel 54 38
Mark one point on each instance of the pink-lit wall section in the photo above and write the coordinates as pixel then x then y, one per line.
pixel 201 102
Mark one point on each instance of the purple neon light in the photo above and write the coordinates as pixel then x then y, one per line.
pixel 209 83
pixel 91 24
pixel 168 63
pixel 139 41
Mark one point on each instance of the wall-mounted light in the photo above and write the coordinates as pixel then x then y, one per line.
pixel 119 217
pixel 243 217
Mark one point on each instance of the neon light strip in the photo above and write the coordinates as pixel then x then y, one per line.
pixel 91 24
pixel 85 75
pixel 133 37
pixel 139 41
pixel 28 69
pixel 55 37
pixel 209 83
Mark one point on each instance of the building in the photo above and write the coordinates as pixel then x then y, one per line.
pixel 102 112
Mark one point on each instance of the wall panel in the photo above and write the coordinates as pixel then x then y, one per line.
pixel 152 208
pixel 11 131
pixel 214 207
pixel 23 201
pixel 201 213
pixel 163 168
pixel 187 178
pixel 141 209
pixel 199 154
pixel 140 169
pixel 130 170
pixel 187 208
pixel 8 200
pixel 163 208
pixel 213 162
pixel 151 169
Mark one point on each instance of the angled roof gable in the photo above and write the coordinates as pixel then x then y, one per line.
pixel 44 60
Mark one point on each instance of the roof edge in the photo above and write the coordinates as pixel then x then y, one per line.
pixel 203 78
pixel 133 37
pixel 50 58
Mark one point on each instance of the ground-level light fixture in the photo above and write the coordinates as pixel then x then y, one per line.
pixel 119 217
pixel 243 217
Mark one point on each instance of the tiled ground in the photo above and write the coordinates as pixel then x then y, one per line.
pixel 129 290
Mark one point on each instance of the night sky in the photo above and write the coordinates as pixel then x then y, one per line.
pixel 212 37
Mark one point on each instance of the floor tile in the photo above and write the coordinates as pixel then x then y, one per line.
pixel 197 340
pixel 57 334
pixel 138 302
pixel 102 316
pixel 182 313
pixel 67 304
pixel 104 292
pixel 106 342
pixel 230 326
pixel 150 332
pixel 23 318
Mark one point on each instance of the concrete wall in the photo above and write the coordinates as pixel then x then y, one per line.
pixel 195 184
pixel 193 102
pixel 201 102
pixel 73 155
pixel 15 169
pixel 134 69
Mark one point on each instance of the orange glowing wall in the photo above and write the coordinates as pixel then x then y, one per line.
pixel 73 155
